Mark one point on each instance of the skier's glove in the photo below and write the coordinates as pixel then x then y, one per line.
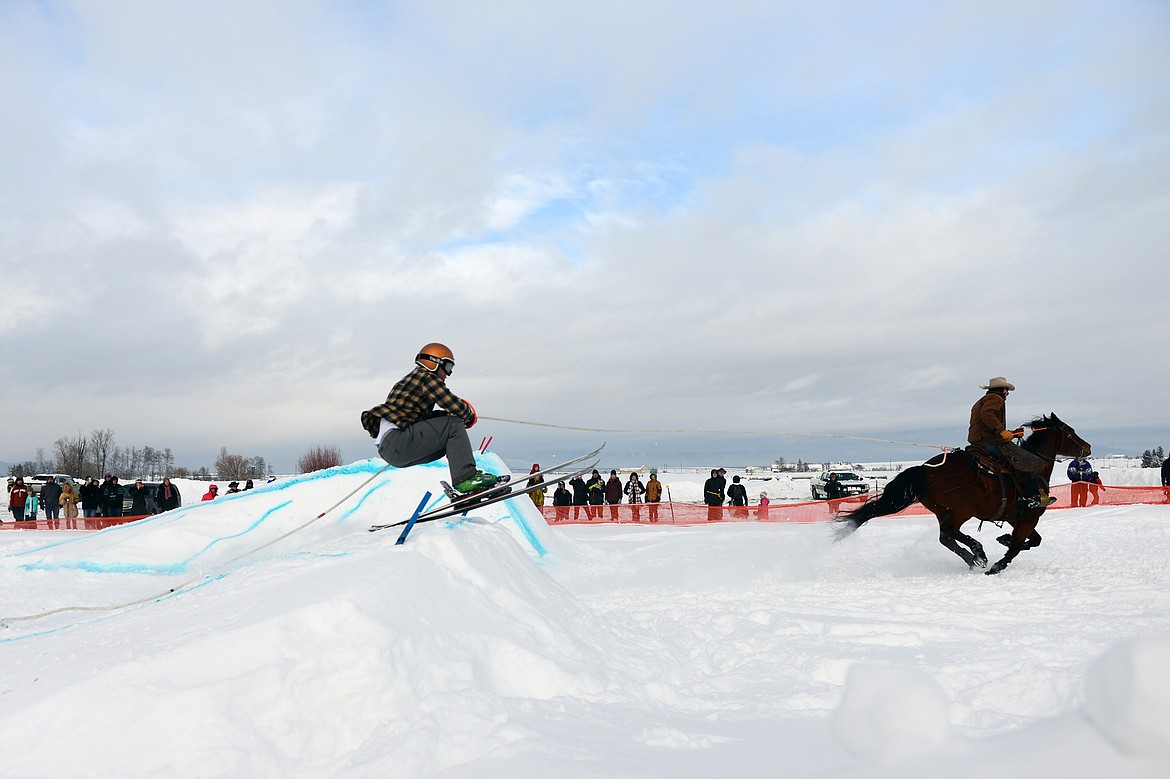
pixel 470 423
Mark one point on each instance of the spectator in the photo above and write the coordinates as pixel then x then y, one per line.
pixel 138 499
pixel 833 488
pixel 634 490
pixel 537 495
pixel 562 499
pixel 596 489
pixel 580 498
pixel 51 500
pixel 248 485
pixel 653 495
pixel 1166 478
pixel 212 491
pixel 69 501
pixel 613 494
pixel 736 493
pixel 713 496
pixel 1079 471
pixel 737 497
pixel 762 511
pixel 18 499
pixel 91 498
pixel 111 497
pixel 167 496
pixel 30 506
pixel 1094 485
pixel 233 488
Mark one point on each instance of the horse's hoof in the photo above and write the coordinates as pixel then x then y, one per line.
pixel 994 569
pixel 981 562
pixel 1005 539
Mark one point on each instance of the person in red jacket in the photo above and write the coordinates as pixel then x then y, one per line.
pixel 1094 485
pixel 17 497
pixel 212 491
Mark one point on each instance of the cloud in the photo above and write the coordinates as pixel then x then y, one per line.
pixel 744 217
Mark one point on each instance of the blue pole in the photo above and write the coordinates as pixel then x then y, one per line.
pixel 413 518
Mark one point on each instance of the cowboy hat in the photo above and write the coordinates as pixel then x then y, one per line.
pixel 999 382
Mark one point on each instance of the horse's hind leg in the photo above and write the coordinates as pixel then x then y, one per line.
pixel 976 548
pixel 950 542
pixel 952 538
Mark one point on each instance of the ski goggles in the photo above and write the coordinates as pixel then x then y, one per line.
pixel 446 363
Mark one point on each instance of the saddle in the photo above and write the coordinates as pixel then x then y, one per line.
pixel 999 468
pixel 987 462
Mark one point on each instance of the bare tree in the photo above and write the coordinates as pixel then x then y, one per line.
pixel 318 458
pixel 230 466
pixel 102 443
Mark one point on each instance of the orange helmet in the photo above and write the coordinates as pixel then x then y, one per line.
pixel 432 356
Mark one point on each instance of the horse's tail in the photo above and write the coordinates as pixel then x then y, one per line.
pixel 904 489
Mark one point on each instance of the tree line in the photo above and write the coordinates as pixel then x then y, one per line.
pixel 96 454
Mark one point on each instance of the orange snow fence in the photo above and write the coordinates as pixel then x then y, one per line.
pixel 69 523
pixel 815 511
pixel 690 514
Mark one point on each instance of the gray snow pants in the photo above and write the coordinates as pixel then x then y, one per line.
pixel 428 440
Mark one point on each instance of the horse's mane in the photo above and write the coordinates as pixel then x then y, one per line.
pixel 1038 426
pixel 1046 420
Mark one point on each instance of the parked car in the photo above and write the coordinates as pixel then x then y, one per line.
pixel 851 484
pixel 41 479
pixel 151 492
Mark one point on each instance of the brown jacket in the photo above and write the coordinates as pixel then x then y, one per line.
pixel 988 420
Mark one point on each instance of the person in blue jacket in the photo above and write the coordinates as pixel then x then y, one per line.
pixel 1080 472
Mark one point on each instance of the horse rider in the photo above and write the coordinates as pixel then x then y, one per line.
pixel 988 431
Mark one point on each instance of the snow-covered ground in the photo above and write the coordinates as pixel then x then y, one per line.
pixel 244 637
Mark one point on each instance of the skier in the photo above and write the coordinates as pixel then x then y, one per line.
pixel 409 431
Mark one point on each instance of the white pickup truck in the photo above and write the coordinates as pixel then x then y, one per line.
pixel 851 484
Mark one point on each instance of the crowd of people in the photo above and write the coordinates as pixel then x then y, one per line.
pixel 62 499
pixel 597 496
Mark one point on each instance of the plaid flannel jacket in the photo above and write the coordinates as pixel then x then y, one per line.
pixel 414 398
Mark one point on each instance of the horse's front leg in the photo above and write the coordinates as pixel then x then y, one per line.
pixel 1023 536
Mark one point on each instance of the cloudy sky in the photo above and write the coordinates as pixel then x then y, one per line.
pixel 234 223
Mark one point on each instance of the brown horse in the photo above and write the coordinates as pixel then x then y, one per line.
pixel 956 489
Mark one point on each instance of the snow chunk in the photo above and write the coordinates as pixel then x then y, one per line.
pixel 1128 696
pixel 890 714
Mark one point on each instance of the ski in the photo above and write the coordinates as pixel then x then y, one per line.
pixel 458 499
pixel 448 511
